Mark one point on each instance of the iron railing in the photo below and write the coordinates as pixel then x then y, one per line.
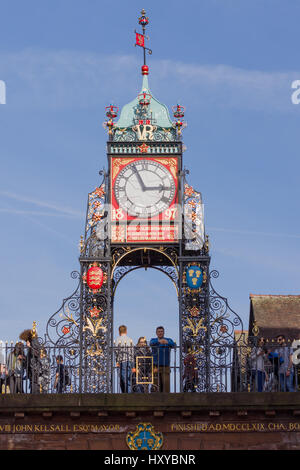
pixel 63 369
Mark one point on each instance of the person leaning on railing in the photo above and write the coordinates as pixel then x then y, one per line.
pixel 142 366
pixel 124 359
pixel 161 347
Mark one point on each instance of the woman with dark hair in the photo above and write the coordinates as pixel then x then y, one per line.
pixel 32 359
pixel 143 366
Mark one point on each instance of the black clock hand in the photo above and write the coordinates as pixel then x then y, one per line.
pixel 155 188
pixel 139 179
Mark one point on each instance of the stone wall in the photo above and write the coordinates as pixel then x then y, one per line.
pixel 186 421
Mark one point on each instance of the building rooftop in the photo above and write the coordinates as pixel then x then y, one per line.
pixel 274 315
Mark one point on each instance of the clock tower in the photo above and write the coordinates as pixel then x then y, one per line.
pixel 144 214
pixel 145 163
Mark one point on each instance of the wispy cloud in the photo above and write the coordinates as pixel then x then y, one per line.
pixel 37 221
pixel 34 216
pixel 70 79
pixel 59 210
pixel 34 213
pixel 235 87
pixel 253 232
pixel 62 79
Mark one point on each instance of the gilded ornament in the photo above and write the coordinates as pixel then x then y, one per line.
pixel 194 311
pixel 69 317
pixel 94 327
pixel 144 438
pixel 33 331
pixel 255 329
pixel 143 148
pixel 195 327
pixel 94 350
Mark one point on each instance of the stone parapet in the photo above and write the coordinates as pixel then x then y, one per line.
pixel 186 421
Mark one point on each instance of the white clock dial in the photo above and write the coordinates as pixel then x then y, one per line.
pixel 144 188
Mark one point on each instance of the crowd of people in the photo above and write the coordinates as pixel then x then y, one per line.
pixel 272 368
pixel 268 368
pixel 143 365
pixel 30 365
pixel 145 368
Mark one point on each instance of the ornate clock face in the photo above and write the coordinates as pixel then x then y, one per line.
pixel 144 188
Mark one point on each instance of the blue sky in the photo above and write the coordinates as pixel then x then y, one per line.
pixel 231 63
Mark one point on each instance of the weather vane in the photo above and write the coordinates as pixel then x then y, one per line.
pixel 140 38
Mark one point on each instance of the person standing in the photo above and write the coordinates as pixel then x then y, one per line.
pixel 143 367
pixel 258 373
pixel 62 375
pixel 32 359
pixel 124 359
pixel 16 363
pixel 286 369
pixel 161 347
pixel 4 388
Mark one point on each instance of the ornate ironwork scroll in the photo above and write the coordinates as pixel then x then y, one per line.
pixel 193 219
pixel 224 325
pixel 94 243
pixel 63 327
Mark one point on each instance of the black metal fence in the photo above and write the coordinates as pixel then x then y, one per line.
pixel 130 369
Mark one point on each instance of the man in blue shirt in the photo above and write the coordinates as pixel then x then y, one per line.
pixel 161 359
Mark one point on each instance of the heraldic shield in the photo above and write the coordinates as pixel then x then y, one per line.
pixel 144 438
pixel 194 277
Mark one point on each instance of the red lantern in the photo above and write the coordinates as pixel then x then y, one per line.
pixel 94 277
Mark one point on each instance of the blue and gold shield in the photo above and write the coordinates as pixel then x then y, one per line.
pixel 194 277
pixel 144 438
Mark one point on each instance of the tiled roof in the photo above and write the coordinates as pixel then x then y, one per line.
pixel 275 314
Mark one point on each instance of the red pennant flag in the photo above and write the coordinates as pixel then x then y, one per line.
pixel 140 40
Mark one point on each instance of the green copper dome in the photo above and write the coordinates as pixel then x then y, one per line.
pixel 144 118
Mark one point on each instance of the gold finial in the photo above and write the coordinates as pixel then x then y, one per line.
pixel 255 329
pixel 81 244
pixel 33 331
